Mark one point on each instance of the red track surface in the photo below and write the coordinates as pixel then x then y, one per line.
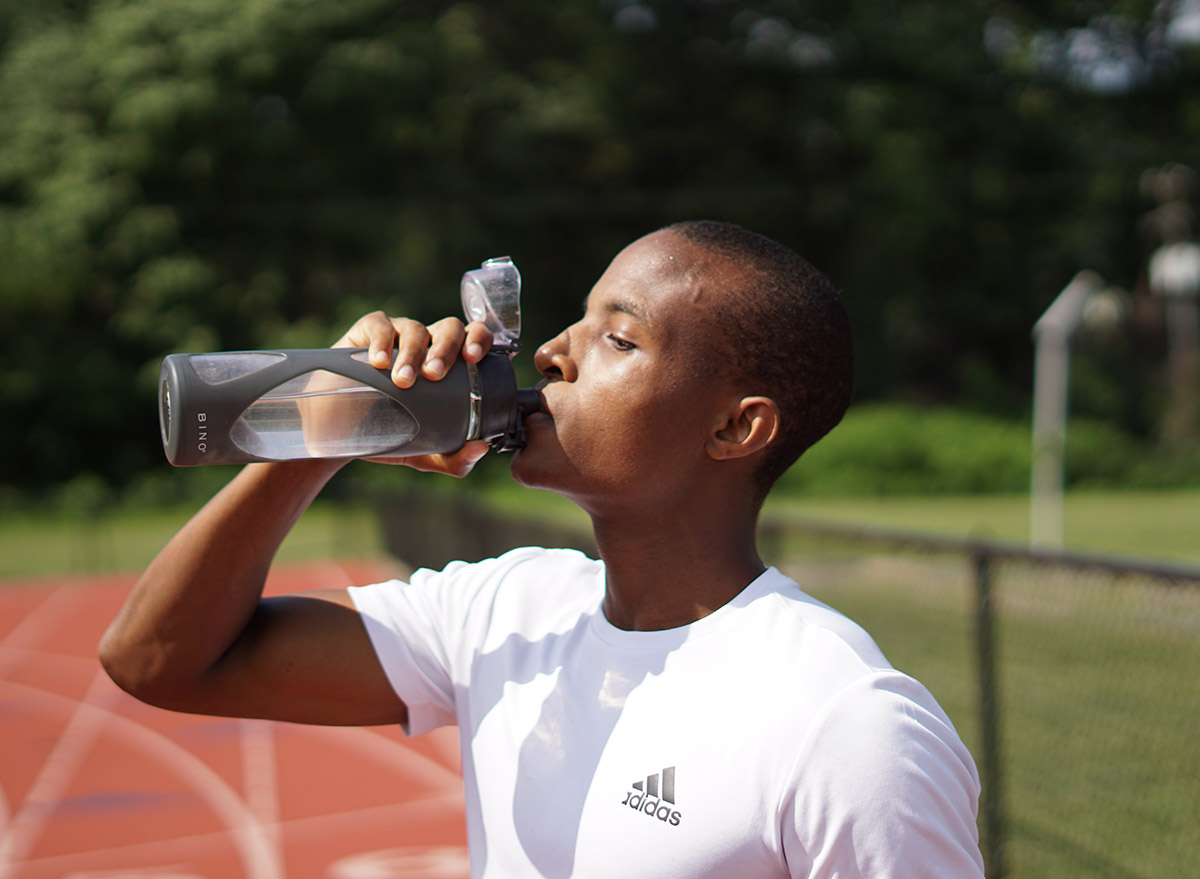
pixel 95 785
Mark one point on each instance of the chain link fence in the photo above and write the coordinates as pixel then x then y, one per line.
pixel 1074 679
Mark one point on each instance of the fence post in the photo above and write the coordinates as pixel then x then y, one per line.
pixel 992 806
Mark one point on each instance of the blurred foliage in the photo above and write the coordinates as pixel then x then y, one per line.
pixel 896 449
pixel 182 175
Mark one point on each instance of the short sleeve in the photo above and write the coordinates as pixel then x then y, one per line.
pixel 883 787
pixel 418 629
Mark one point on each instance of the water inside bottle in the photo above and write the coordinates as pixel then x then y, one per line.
pixel 216 369
pixel 321 414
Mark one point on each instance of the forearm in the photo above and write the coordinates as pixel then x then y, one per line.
pixel 198 595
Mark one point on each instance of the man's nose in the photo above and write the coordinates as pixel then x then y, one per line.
pixel 553 359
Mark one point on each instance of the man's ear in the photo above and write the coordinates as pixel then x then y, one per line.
pixel 748 427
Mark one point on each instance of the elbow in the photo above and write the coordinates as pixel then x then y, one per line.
pixel 136 669
pixel 122 664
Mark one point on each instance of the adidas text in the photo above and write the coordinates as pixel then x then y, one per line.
pixel 652 806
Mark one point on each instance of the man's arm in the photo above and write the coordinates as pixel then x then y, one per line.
pixel 196 635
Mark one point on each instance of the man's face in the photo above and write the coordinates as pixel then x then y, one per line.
pixel 627 410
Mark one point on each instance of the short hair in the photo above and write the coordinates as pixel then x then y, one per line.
pixel 788 338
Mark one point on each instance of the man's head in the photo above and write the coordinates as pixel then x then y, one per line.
pixel 701 344
pixel 786 336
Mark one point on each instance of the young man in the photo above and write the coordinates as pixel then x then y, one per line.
pixel 675 709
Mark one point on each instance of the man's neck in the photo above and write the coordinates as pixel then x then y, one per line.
pixel 668 571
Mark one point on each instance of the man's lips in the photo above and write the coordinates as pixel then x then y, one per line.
pixel 543 408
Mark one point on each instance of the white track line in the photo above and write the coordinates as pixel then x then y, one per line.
pixel 38 623
pixel 15 647
pixel 59 768
pixel 259 779
pixel 247 833
pixel 347 822
pixel 4 817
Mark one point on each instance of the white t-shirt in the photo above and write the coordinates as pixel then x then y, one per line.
pixel 768 739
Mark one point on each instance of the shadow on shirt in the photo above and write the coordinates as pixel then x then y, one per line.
pixel 558 758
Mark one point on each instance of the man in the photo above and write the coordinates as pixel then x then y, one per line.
pixel 676 709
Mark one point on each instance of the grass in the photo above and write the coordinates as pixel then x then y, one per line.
pixel 1151 524
pixel 52 545
pixel 1160 524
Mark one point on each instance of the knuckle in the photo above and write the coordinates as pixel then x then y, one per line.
pixel 414 335
pixel 378 319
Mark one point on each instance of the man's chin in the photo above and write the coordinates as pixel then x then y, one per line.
pixel 522 470
pixel 529 470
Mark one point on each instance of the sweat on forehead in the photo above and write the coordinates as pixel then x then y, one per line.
pixel 694 272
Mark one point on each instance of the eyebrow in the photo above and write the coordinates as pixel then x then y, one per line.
pixel 632 309
pixel 622 306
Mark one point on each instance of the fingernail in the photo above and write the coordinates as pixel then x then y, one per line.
pixel 475 350
pixel 380 357
pixel 435 367
pixel 405 373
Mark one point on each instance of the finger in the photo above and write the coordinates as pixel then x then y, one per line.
pixel 446 341
pixel 478 342
pixel 374 331
pixel 411 343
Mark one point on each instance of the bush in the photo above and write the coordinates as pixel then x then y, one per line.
pixel 895 449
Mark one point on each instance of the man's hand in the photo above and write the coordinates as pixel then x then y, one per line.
pixel 429 351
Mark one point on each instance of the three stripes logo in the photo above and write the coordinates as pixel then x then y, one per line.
pixel 654 796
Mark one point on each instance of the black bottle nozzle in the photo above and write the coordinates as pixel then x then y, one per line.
pixel 528 401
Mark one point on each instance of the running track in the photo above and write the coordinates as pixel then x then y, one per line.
pixel 95 785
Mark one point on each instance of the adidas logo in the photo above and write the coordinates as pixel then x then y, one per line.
pixel 647 798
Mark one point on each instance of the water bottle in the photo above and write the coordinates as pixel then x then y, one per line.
pixel 235 407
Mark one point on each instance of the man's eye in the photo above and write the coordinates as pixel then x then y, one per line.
pixel 621 344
